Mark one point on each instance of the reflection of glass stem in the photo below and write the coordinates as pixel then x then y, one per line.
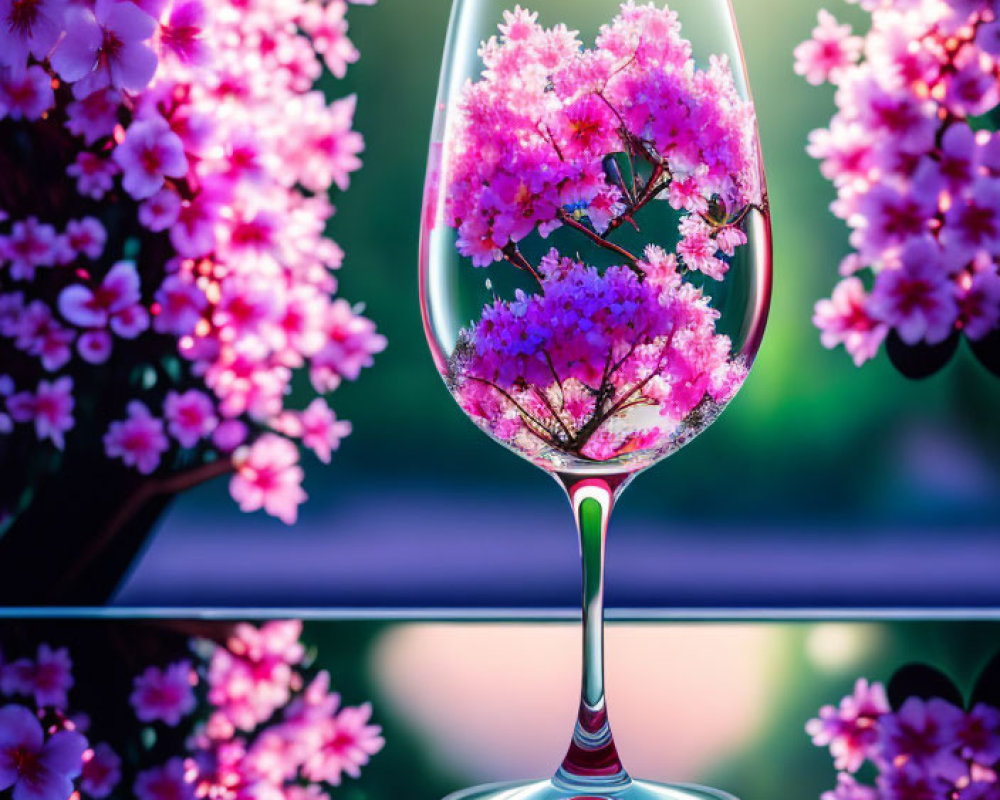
pixel 592 762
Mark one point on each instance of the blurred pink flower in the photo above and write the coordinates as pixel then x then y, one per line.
pixel 149 152
pixel 166 782
pixel 831 50
pixel 25 93
pixel 165 695
pixel 50 408
pixel 190 416
pixel 102 771
pixel 138 440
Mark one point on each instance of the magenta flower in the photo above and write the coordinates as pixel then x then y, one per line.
pixel 93 117
pixel 166 782
pixel 979 301
pixel 28 26
pixel 831 51
pixel 50 408
pixel 107 46
pixel 347 743
pixel 25 94
pixel 37 769
pixel 181 33
pixel 317 427
pixel 101 771
pixel 31 244
pixel 922 733
pixel 269 477
pixel 138 440
pixel 86 237
pixel 916 299
pixel 190 416
pixel 94 175
pixel 149 152
pixel 165 695
pixel 115 303
pixel 844 319
pixel 850 730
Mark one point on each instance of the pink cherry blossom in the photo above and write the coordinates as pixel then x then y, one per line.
pixel 93 117
pixel 831 50
pixel 86 236
pixel 916 299
pixel 102 771
pixel 30 245
pixel 149 152
pixel 47 679
pixel 161 210
pixel 107 46
pixel 269 477
pixel 190 416
pixel 317 426
pixel 347 744
pixel 49 407
pixel 165 695
pixel 138 440
pixel 182 30
pixel 94 175
pixel 166 782
pixel 26 93
pixel 28 27
pixel 844 319
pixel 35 767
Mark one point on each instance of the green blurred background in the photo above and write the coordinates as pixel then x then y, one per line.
pixel 811 444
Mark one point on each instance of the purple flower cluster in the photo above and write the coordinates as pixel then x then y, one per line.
pixel 928 749
pixel 917 175
pixel 535 132
pixel 572 367
pixel 265 730
pixel 166 168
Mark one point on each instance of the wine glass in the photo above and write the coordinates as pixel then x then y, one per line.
pixel 595 267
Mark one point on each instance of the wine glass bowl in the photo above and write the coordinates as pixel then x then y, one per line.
pixel 595 268
pixel 595 250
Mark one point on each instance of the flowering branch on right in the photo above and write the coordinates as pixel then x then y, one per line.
pixel 922 740
pixel 915 157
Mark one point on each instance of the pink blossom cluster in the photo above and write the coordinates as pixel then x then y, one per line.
pixel 573 367
pixel 535 133
pixel 259 726
pixel 44 754
pixel 270 732
pixel 596 363
pixel 916 165
pixel 169 213
pixel 929 749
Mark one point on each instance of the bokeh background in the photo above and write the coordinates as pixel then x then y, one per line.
pixel 822 484
pixel 467 701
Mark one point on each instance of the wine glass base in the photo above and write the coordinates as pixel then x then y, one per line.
pixel 548 790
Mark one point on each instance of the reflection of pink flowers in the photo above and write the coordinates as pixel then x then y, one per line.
pixel 47 679
pixel 166 782
pixel 924 748
pixel 915 180
pixel 102 770
pixel 37 769
pixel 849 729
pixel 138 440
pixel 346 743
pixel 166 695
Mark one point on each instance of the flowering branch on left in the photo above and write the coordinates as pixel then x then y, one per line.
pixel 233 721
pixel 165 278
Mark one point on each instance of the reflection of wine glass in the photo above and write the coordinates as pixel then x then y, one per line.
pixel 595 265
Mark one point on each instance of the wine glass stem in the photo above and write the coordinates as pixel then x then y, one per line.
pixel 592 761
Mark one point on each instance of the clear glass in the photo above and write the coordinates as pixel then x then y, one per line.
pixel 595 266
